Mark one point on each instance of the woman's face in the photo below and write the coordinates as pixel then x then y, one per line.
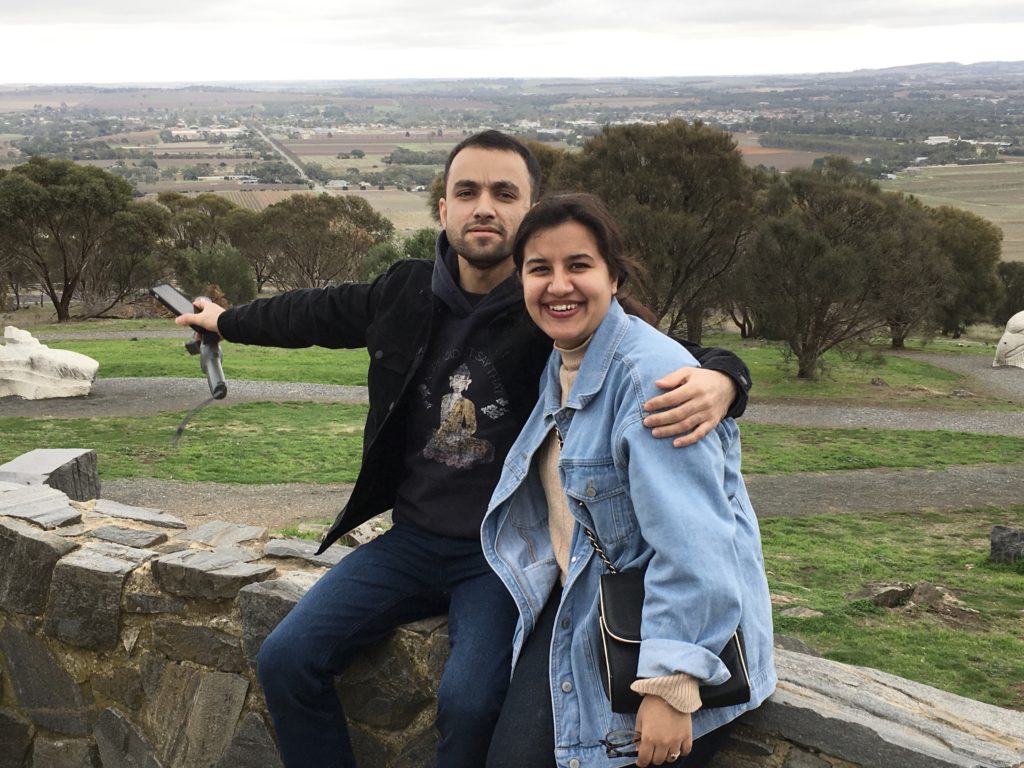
pixel 566 283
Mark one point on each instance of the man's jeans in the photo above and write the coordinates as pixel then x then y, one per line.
pixel 403 575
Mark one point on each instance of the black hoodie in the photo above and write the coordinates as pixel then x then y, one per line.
pixel 456 411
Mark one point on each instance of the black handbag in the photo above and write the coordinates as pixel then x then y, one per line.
pixel 621 610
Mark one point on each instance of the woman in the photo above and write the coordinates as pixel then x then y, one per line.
pixel 583 460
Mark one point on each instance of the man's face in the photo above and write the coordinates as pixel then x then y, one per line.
pixel 486 198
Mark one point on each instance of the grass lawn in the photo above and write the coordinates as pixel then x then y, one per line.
pixel 974 650
pixel 847 377
pixel 247 443
pixel 770 449
pixel 167 357
pixel 288 442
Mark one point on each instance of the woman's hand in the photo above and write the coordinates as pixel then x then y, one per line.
pixel 698 398
pixel 665 732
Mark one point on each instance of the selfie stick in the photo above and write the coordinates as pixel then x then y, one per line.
pixel 206 345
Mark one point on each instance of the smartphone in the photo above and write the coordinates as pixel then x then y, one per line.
pixel 173 299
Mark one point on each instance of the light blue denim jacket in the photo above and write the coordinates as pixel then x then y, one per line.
pixel 684 511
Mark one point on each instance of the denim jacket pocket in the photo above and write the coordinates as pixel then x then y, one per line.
pixel 597 488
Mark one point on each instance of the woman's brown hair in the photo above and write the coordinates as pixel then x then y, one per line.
pixel 590 212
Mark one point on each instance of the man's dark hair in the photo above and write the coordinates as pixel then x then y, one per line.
pixel 501 142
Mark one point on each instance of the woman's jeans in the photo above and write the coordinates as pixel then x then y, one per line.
pixel 525 734
pixel 404 575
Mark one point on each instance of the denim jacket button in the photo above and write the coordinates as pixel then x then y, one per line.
pixel 567 687
pixel 574 763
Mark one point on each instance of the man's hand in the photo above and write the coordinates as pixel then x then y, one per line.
pixel 665 733
pixel 206 317
pixel 698 399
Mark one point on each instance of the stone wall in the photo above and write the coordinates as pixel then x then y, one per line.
pixel 127 640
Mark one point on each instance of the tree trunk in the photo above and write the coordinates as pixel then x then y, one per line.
pixel 898 333
pixel 694 325
pixel 807 365
pixel 63 308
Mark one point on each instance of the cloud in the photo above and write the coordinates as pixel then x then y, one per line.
pixel 116 41
pixel 402 18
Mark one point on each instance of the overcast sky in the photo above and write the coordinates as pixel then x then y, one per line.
pixel 116 41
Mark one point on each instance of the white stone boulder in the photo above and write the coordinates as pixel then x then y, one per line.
pixel 1010 350
pixel 33 371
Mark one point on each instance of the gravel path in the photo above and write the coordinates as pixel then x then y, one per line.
pixel 1003 382
pixel 148 396
pixel 845 416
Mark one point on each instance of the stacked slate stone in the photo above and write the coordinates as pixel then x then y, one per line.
pixel 127 639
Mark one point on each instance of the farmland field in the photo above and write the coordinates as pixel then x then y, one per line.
pixel 994 191
pixel 406 210
pixel 324 149
pixel 782 159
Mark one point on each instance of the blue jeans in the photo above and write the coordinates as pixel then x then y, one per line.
pixel 404 575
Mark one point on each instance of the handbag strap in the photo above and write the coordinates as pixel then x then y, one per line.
pixel 600 552
pixel 590 534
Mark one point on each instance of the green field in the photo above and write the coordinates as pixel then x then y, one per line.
pixel 995 192
pixel 974 648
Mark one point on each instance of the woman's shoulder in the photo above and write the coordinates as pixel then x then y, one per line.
pixel 645 348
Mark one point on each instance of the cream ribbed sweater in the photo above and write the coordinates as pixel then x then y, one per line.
pixel 680 691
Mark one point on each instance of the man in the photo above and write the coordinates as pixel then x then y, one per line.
pixel 454 370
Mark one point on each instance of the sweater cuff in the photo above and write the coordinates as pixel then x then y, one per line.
pixel 682 692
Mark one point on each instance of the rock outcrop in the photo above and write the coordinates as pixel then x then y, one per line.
pixel 33 371
pixel 1010 349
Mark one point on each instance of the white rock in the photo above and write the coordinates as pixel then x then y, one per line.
pixel 33 371
pixel 1010 350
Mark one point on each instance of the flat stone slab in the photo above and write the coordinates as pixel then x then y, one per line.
pixel 71 470
pixel 873 718
pixel 46 507
pixel 28 557
pixel 203 645
pixel 218 533
pixel 206 575
pixel 15 738
pixel 12 481
pixel 135 555
pixel 128 537
pixel 84 607
pixel 140 602
pixel 45 692
pixel 251 747
pixel 109 508
pixel 263 605
pixel 194 713
pixel 303 549
pixel 64 753
pixel 121 744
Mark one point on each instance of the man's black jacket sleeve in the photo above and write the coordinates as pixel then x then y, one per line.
pixel 724 361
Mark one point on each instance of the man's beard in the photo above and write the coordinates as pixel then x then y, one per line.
pixel 481 257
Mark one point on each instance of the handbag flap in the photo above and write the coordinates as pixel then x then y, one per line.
pixel 622 604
